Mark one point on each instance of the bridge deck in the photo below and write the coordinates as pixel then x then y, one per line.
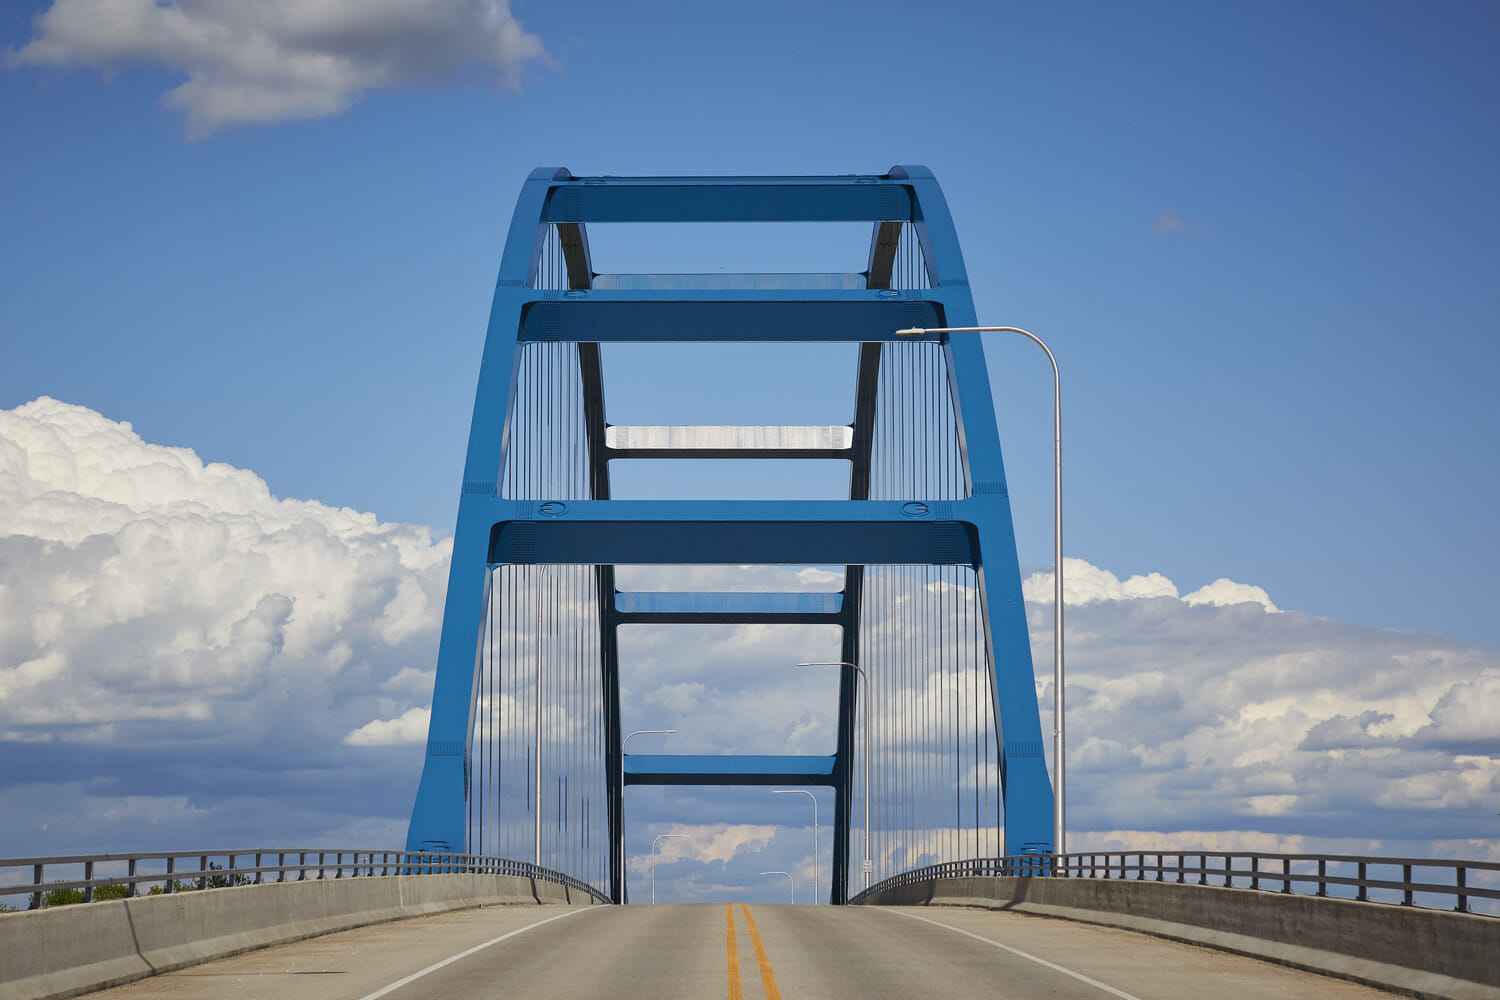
pixel 686 951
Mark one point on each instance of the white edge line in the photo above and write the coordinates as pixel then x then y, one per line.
pixel 1016 951
pixel 465 954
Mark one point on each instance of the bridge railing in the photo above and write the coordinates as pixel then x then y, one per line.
pixel 80 877
pixel 1423 882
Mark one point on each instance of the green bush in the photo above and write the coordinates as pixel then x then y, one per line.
pixel 62 897
pixel 112 892
pixel 178 885
pixel 225 881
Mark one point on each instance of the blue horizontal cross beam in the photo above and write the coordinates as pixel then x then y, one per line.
pixel 678 532
pixel 723 769
pixel 865 198
pixel 735 316
pixel 744 608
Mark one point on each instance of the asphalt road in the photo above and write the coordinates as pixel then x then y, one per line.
pixel 739 952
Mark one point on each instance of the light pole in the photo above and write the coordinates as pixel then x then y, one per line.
pixel 803 791
pixel 790 884
pixel 536 752
pixel 638 732
pixel 864 690
pixel 659 838
pixel 1059 768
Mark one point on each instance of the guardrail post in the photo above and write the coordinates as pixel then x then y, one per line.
pixel 1229 871
pixel 1363 889
pixel 88 876
pixel 130 892
pixel 1406 878
pixel 1181 859
pixel 1462 884
pixel 203 872
pixel 1255 871
pixel 36 880
pixel 1286 874
pixel 171 885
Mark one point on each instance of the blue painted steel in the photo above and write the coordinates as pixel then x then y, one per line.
pixel 715 605
pixel 975 531
pixel 776 316
pixel 653 602
pixel 730 769
pixel 680 532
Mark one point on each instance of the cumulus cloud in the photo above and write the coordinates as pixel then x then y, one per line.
pixel 278 60
pixel 180 614
pixel 706 843
pixel 1227 592
pixel 1084 582
pixel 185 658
pixel 1217 712
pixel 408 727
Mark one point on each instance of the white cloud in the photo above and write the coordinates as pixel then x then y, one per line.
pixel 1084 582
pixel 179 648
pixel 173 628
pixel 705 843
pixel 277 60
pixel 409 727
pixel 1227 592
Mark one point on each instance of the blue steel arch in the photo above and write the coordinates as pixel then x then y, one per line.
pixel 974 531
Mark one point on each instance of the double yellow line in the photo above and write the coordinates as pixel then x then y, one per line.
pixel 767 978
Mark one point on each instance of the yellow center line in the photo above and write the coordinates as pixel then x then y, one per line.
pixel 735 992
pixel 767 979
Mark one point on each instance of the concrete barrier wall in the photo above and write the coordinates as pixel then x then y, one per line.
pixel 63 951
pixel 1425 953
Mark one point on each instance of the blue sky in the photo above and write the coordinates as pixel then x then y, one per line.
pixel 1260 238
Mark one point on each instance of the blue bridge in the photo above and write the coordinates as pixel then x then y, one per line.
pixel 938 776
pixel 931 604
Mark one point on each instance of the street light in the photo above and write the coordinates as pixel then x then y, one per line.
pixel 790 884
pixel 659 838
pixel 803 791
pixel 638 732
pixel 1059 769
pixel 864 690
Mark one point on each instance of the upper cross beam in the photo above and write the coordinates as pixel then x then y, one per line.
pixel 728 199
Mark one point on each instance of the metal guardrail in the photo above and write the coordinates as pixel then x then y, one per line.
pixel 1342 875
pixel 163 872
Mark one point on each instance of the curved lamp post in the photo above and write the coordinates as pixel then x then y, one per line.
pixel 790 884
pixel 638 732
pixel 864 691
pixel 659 838
pixel 1059 769
pixel 803 791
